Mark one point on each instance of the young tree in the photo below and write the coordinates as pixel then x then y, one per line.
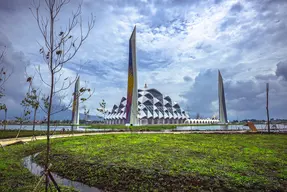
pixel 4 76
pixel 86 113
pixel 60 46
pixel 4 108
pixel 187 110
pixel 102 109
pixel 32 101
pixel 25 115
pixel 197 116
pixel 214 117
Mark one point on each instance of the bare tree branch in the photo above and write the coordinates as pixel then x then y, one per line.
pixel 58 49
pixel 38 70
pixel 4 74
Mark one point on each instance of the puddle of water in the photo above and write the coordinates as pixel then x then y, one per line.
pixel 98 130
pixel 36 169
pixel 210 128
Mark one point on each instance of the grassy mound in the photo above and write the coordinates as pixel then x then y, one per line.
pixel 165 162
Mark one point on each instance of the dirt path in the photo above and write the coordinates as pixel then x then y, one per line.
pixel 11 141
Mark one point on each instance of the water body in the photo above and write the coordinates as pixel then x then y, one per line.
pixel 178 128
pixel 98 130
pixel 228 127
pixel 37 127
pixel 211 128
pixel 37 170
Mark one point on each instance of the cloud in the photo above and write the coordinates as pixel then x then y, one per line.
pixel 187 78
pixel 237 7
pixel 244 98
pixel 203 93
pixel 180 47
pixel 281 70
pixel 15 87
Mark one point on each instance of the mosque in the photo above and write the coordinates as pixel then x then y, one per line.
pixel 153 108
pixel 150 106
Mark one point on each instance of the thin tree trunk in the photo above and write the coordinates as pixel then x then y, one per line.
pixel 51 93
pixel 34 122
pixel 5 119
pixel 267 106
pixel 104 116
pixel 19 130
pixel 48 130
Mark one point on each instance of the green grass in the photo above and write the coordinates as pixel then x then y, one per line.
pixel 178 162
pixel 13 176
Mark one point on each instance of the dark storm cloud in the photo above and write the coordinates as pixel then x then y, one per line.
pixel 236 7
pixel 202 93
pixel 244 94
pixel 16 85
pixel 246 97
pixel 257 101
pixel 266 77
pixel 13 5
pixel 257 36
pixel 217 1
pixel 266 5
pixel 273 26
pixel 281 70
pixel 187 78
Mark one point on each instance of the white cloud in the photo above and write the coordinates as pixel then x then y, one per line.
pixel 174 40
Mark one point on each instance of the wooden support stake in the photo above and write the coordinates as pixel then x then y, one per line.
pixel 33 138
pixel 35 189
pixel 54 182
pixel 2 147
pixel 47 174
pixel 267 106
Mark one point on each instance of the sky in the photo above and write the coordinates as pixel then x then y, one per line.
pixel 181 45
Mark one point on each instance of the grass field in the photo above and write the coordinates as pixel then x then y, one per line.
pixel 184 162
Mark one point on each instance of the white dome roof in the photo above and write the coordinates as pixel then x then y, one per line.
pixel 151 104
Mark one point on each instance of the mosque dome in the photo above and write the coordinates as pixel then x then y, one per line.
pixel 153 108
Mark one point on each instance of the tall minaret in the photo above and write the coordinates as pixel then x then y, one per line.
pixel 75 110
pixel 132 90
pixel 221 100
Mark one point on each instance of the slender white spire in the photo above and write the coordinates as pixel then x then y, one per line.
pixel 132 90
pixel 75 110
pixel 221 100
